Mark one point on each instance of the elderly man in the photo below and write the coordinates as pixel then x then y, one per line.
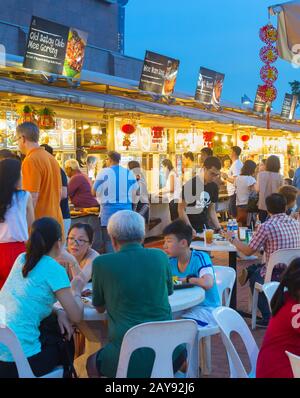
pixel 133 285
pixel 79 188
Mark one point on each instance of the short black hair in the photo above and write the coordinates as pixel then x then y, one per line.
pixel 248 168
pixel 48 148
pixel 167 163
pixel 189 155
pixel 207 151
pixel 212 161
pixel 86 227
pixel 276 203
pixel 114 156
pixel 273 164
pixel 237 150
pixel 7 154
pixel 180 229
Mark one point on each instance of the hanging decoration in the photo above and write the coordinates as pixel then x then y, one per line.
pixel 27 114
pixel 245 138
pixel 128 127
pixel 268 73
pixel 157 134
pixel 46 119
pixel 208 137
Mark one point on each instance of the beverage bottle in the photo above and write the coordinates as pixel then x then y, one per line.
pixel 235 228
pixel 229 225
pixel 257 225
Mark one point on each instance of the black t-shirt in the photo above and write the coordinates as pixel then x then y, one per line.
pixel 64 204
pixel 198 197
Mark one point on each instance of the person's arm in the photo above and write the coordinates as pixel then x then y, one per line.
pixel 64 193
pixel 72 187
pixel 257 242
pixel 213 216
pixel 29 211
pixel 242 247
pixel 31 179
pixel 182 214
pixel 70 264
pixel 86 271
pixel 97 283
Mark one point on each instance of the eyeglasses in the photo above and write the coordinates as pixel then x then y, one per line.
pixel 79 242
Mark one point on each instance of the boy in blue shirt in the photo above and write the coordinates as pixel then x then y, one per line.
pixel 192 266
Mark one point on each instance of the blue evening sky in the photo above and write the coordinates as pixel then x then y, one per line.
pixel 217 34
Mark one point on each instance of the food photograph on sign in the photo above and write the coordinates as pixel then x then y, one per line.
pixel 209 87
pixel 77 41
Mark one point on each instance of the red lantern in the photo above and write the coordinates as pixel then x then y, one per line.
pixel 268 74
pixel 268 54
pixel 208 137
pixel 245 137
pixel 128 128
pixel 268 34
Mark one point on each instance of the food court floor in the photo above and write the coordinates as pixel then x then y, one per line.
pixel 219 359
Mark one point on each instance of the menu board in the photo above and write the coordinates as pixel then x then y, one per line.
pixel 259 106
pixel 55 48
pixel 289 106
pixel 209 87
pixel 159 74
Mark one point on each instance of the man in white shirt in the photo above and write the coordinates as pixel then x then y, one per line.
pixel 234 171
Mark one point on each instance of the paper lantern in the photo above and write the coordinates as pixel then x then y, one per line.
pixel 268 74
pixel 268 34
pixel 268 54
pixel 208 136
pixel 128 128
pixel 245 137
pixel 27 114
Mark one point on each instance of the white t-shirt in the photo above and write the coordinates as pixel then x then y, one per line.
pixel 243 184
pixel 15 228
pixel 234 171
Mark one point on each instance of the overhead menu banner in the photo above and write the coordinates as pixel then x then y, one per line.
pixel 289 106
pixel 159 74
pixel 55 48
pixel 209 87
pixel 259 106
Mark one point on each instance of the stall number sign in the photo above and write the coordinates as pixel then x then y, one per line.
pixel 54 48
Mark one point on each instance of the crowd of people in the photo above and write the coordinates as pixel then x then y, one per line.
pixel 45 262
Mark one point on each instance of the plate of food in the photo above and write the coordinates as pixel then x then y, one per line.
pixel 75 53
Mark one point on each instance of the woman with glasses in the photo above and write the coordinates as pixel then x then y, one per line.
pixel 79 255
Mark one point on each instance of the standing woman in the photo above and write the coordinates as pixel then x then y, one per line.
pixel 172 188
pixel 245 184
pixel 16 216
pixel 268 182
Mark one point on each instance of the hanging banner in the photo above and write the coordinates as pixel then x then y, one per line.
pixel 55 48
pixel 209 87
pixel 260 105
pixel 159 74
pixel 289 106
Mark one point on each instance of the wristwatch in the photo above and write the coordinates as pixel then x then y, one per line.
pixel 188 278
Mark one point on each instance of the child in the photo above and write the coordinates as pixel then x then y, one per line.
pixel 192 266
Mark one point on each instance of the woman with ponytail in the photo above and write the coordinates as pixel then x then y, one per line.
pixel 283 332
pixel 16 215
pixel 35 283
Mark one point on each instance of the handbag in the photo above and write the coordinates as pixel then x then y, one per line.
pixel 50 334
pixel 252 206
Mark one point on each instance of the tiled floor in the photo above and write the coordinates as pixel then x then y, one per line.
pixel 220 367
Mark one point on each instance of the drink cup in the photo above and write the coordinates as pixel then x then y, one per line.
pixel 242 233
pixel 208 236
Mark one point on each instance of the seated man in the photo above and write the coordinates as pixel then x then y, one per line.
pixel 192 266
pixel 133 285
pixel 280 231
pixel 290 193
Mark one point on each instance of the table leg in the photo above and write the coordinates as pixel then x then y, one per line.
pixel 232 264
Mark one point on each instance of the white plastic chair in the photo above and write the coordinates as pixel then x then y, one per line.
pixel 282 256
pixel 231 321
pixel 225 279
pixel 163 338
pixel 10 340
pixel 269 289
pixel 295 364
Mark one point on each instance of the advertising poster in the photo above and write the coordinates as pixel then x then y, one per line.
pixel 209 87
pixel 289 106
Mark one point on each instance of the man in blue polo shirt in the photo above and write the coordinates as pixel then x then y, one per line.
pixel 194 267
pixel 115 188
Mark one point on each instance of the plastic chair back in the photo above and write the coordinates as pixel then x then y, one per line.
pixel 269 289
pixel 163 338
pixel 230 321
pixel 10 340
pixel 225 278
pixel 295 364
pixel 284 256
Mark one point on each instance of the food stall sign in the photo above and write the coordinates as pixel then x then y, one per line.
pixel 55 48
pixel 289 106
pixel 260 106
pixel 209 87
pixel 159 74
